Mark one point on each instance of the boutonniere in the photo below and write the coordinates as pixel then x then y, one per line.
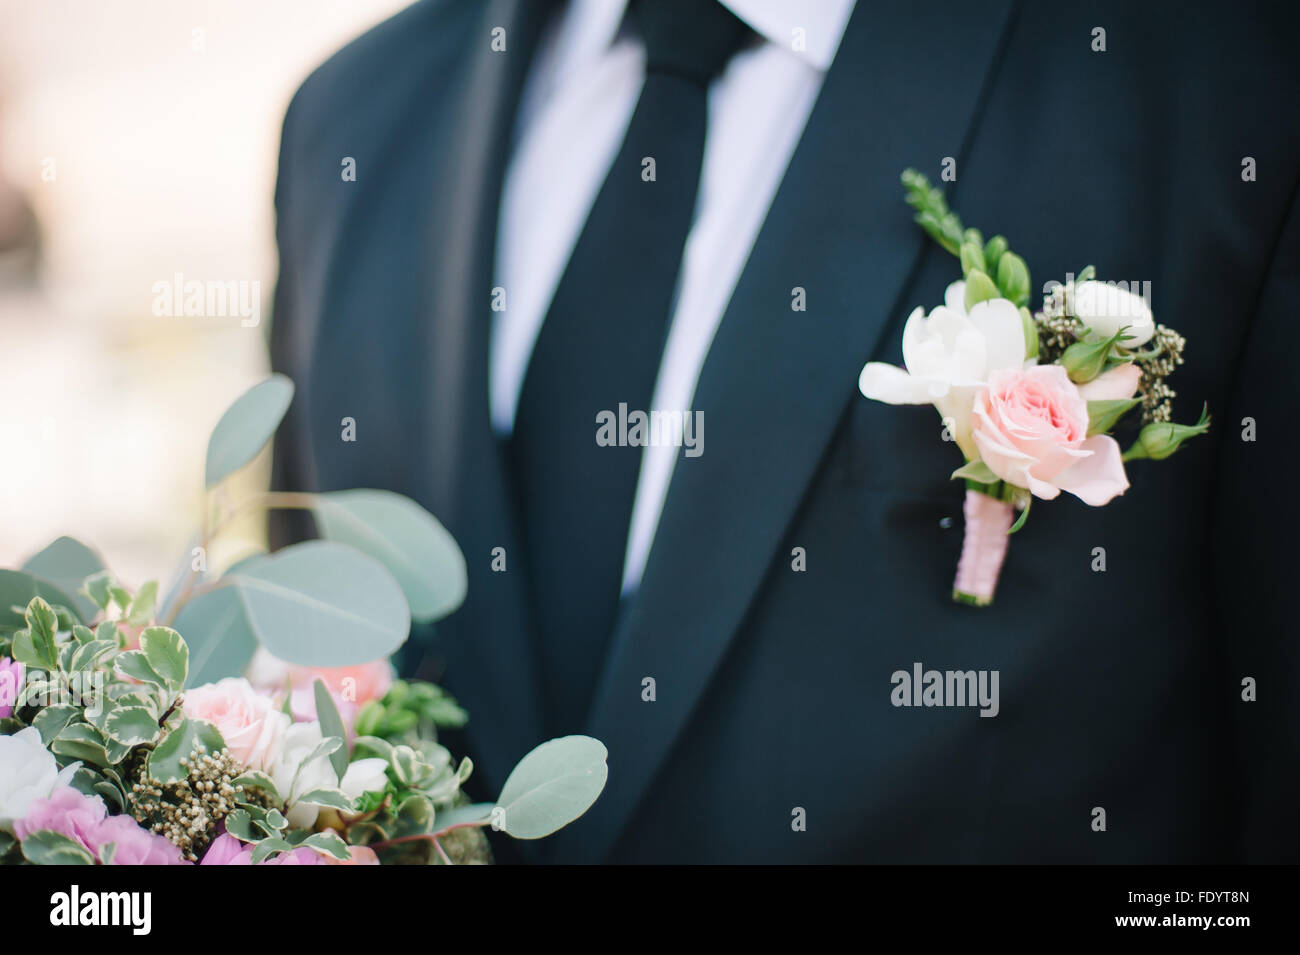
pixel 1030 399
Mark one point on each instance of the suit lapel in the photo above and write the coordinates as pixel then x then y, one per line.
pixel 487 644
pixel 903 91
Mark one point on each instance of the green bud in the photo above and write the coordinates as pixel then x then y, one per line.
pixel 1104 415
pixel 368 718
pixel 972 257
pixel 993 251
pixel 1031 333
pixel 972 236
pixel 1160 439
pixel 1084 361
pixel 979 288
pixel 1013 278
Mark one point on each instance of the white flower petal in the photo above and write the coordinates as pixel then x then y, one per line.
pixel 955 296
pixel 1004 334
pixel 882 382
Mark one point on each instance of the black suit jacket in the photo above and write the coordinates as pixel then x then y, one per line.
pixel 1119 689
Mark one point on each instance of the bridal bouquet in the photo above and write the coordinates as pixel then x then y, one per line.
pixel 1030 399
pixel 251 716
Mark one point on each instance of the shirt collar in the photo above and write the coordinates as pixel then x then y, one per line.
pixel 822 22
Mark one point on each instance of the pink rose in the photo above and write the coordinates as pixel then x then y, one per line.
pixel 66 811
pixel 1031 429
pixel 11 682
pixel 350 687
pixel 134 845
pixel 247 720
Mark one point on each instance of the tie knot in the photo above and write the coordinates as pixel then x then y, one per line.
pixel 692 39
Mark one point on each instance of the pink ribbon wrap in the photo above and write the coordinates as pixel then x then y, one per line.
pixel 983 548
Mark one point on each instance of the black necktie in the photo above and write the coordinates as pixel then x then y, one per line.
pixel 600 346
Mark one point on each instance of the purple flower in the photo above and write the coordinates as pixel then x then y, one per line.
pixel 135 846
pixel 227 850
pixel 66 811
pixel 11 683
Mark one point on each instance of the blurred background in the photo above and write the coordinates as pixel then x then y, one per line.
pixel 138 141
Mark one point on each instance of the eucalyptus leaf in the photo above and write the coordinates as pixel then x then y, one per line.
pixel 417 550
pixel 66 563
pixel 552 786
pixel 323 604
pixel 220 637
pixel 479 812
pixel 17 588
pixel 246 427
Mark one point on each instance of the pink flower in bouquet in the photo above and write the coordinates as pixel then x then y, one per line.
pixel 133 845
pixel 360 855
pixel 351 687
pixel 247 720
pixel 11 682
pixel 1031 429
pixel 227 850
pixel 66 811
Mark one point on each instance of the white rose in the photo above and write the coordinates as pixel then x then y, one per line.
pixel 28 772
pixel 949 356
pixel 1106 308
pixel 296 773
pixel 365 776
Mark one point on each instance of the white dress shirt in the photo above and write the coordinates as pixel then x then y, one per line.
pixel 577 103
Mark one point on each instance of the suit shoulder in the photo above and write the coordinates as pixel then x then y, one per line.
pixel 418 44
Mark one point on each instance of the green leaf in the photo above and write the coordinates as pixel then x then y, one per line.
pixel 134 664
pixel 96 588
pixel 976 470
pixel 17 588
pixel 220 637
pixel 323 604
pixel 167 655
pixel 405 538
pixel 255 779
pixel 51 720
pixel 82 741
pixel 246 427
pixel 333 798
pixel 269 847
pixel 89 654
pixel 43 626
pixel 552 786
pixel 142 605
pixel 82 634
pixel 1104 415
pixel 328 842
pixel 479 812
pixel 331 724
pixel 165 759
pixel 1024 515
pixel 47 847
pixel 240 825
pixel 66 563
pixel 132 725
